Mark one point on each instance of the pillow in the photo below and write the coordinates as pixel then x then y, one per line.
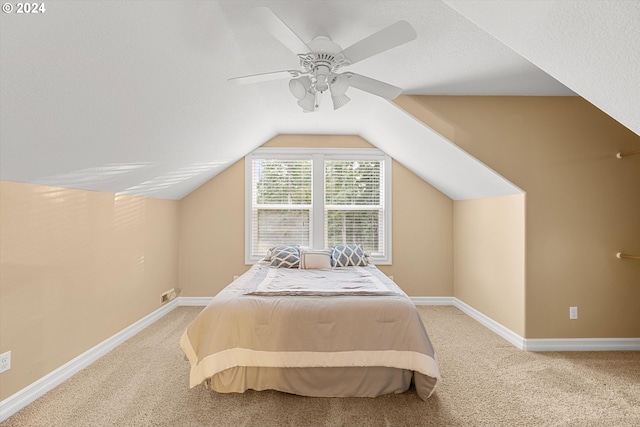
pixel 315 259
pixel 348 256
pixel 269 254
pixel 285 256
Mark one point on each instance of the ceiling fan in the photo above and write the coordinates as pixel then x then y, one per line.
pixel 321 59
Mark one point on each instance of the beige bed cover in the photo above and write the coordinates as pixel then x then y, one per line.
pixel 380 328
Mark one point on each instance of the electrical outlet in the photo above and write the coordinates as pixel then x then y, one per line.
pixel 5 361
pixel 573 313
pixel 235 278
pixel 391 277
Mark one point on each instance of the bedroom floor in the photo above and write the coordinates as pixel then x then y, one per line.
pixel 485 382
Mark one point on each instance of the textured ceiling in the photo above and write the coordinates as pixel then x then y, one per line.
pixel 133 97
pixel 592 47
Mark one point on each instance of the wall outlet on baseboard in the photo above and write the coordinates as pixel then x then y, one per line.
pixel 573 313
pixel 391 277
pixel 5 361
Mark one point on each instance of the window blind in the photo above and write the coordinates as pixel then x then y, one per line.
pixel 354 204
pixel 318 198
pixel 281 203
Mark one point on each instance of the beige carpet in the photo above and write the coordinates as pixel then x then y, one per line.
pixel 486 382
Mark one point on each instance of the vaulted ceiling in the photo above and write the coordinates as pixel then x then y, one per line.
pixel 133 97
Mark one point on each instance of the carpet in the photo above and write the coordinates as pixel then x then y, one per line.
pixel 485 382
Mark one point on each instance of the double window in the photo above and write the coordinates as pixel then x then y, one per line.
pixel 318 198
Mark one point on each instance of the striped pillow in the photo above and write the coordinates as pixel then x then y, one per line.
pixel 315 259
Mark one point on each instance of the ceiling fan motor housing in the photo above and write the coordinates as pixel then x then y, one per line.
pixel 324 44
pixel 325 58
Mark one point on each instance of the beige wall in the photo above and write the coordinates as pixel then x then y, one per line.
pixel 76 267
pixel 488 260
pixel 212 228
pixel 582 204
pixel 212 234
pixel 422 236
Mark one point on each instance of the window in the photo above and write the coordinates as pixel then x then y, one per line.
pixel 318 198
pixel 353 207
pixel 281 203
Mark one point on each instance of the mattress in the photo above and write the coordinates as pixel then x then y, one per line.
pixel 347 331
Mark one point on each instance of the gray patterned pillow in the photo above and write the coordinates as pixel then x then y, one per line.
pixel 348 255
pixel 285 257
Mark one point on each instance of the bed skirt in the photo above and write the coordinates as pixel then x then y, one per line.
pixel 314 382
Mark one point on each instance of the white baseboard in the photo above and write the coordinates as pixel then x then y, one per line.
pixel 19 400
pixel 534 344
pixel 194 301
pixel 432 300
pixel 582 344
pixel 490 324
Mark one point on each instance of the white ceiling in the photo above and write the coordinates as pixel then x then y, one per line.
pixel 132 97
pixel 592 47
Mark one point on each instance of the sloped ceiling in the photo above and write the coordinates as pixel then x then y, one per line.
pixel 133 97
pixel 592 47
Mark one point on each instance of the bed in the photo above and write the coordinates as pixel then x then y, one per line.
pixel 323 332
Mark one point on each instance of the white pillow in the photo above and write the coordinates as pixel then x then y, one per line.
pixel 315 259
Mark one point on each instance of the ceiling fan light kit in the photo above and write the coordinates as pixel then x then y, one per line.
pixel 300 86
pixel 339 84
pixel 308 103
pixel 339 101
pixel 323 58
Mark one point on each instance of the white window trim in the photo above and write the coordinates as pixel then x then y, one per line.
pixel 318 189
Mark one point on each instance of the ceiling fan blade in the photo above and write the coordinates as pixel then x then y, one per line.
pixel 281 31
pixel 394 35
pixel 373 86
pixel 264 77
